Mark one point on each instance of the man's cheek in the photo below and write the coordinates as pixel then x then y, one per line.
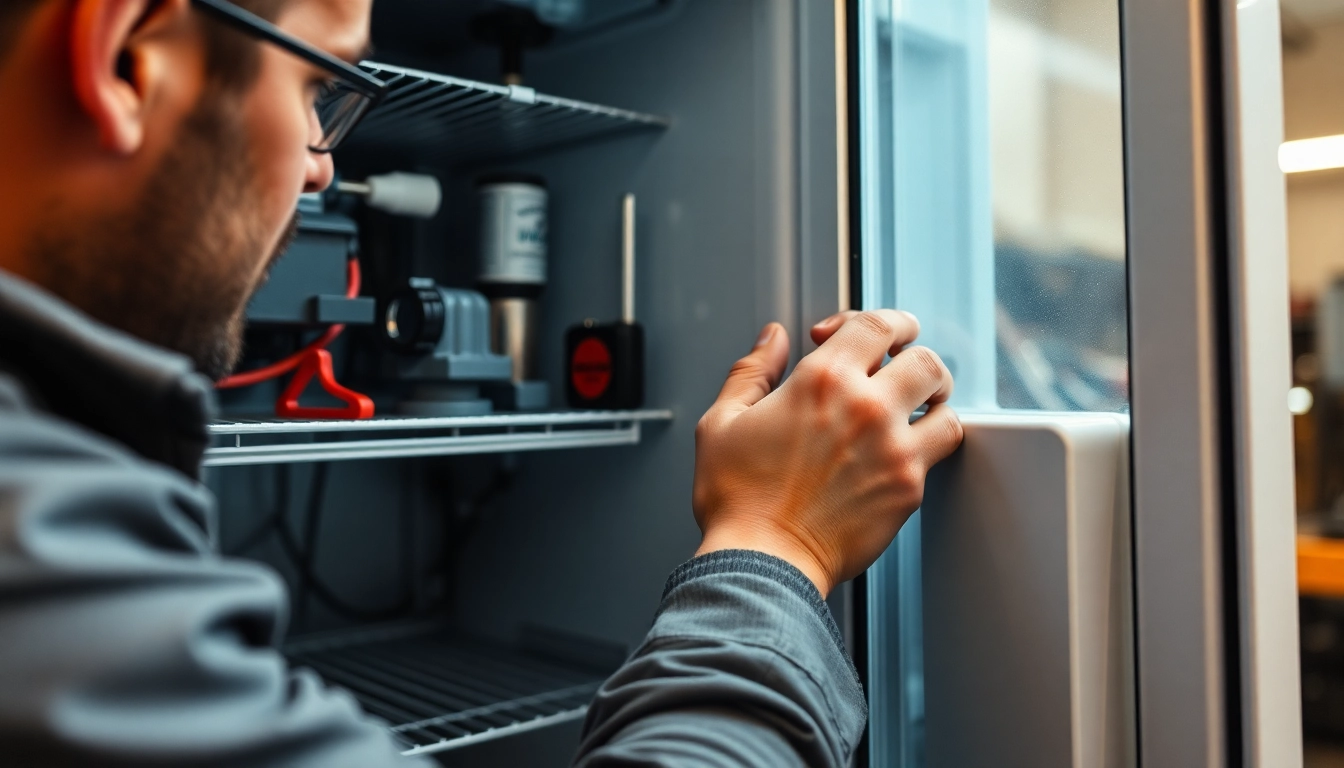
pixel 281 201
pixel 280 138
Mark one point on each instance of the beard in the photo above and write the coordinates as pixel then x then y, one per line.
pixel 178 268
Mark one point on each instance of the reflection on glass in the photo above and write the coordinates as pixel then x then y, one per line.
pixel 992 181
pixel 1058 204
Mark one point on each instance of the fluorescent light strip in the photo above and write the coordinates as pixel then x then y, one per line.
pixel 1312 154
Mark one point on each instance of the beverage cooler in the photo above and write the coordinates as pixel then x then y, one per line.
pixel 550 242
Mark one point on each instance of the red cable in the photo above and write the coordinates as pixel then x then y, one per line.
pixel 280 368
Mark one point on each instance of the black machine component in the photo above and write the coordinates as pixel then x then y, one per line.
pixel 513 30
pixel 414 318
pixel 606 365
pixel 308 286
pixel 606 361
pixel 318 284
pixel 443 335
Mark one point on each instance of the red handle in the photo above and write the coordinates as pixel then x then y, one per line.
pixel 317 363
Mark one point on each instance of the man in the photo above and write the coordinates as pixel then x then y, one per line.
pixel 151 154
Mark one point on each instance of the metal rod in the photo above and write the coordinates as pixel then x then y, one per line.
pixel 499 733
pixel 429 446
pixel 628 260
pixel 496 421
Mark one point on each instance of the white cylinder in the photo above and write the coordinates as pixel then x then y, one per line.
pixel 514 225
pixel 405 194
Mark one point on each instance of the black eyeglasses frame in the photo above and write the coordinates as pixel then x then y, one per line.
pixel 253 25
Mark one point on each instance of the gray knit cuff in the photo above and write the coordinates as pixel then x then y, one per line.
pixel 763 565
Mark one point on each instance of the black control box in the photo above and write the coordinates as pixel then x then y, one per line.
pixel 605 366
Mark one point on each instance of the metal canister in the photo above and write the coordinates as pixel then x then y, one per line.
pixel 513 229
pixel 514 224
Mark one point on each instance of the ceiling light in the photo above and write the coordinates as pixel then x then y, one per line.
pixel 1312 154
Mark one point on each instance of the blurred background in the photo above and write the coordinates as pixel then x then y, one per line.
pixel 1313 157
pixel 1059 234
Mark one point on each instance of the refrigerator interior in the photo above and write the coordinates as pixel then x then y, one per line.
pixel 477 601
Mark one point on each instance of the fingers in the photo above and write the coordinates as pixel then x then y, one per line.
pixel 868 337
pixel 939 432
pixel 827 328
pixel 756 375
pixel 916 376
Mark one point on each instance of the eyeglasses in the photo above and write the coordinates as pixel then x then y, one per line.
pixel 342 103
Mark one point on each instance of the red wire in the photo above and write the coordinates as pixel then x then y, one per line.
pixel 280 368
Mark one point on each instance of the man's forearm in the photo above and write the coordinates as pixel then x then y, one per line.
pixel 744 666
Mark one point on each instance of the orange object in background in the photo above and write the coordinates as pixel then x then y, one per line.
pixel 1320 566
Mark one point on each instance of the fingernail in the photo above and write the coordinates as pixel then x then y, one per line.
pixel 766 335
pixel 827 323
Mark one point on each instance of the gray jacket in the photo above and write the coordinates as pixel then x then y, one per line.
pixel 124 640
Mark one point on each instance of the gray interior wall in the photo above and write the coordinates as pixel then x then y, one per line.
pixel 587 539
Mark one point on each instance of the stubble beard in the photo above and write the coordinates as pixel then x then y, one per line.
pixel 179 268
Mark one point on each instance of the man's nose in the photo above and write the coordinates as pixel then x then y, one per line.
pixel 321 171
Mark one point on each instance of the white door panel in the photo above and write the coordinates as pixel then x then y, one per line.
pixel 1028 657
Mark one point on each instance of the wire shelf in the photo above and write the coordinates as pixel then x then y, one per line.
pixel 242 443
pixel 453 120
pixel 441 691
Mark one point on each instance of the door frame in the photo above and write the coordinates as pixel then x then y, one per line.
pixel 1216 616
pixel 1217 671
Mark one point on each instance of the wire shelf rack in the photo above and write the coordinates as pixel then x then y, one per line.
pixel 242 443
pixel 455 120
pixel 441 691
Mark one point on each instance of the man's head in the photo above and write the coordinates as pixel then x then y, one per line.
pixel 151 157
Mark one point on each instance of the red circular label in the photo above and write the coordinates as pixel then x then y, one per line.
pixel 590 370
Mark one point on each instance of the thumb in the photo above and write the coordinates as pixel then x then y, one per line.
pixel 756 375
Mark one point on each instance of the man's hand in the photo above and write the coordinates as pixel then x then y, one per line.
pixel 825 470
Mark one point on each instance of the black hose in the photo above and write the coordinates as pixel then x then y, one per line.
pixel 464 520
pixel 410 573
pixel 308 554
pixel 267 526
pixel 304 558
pixel 303 555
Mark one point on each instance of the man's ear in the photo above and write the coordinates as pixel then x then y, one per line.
pixel 117 66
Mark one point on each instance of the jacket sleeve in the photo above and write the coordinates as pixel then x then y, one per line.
pixel 125 641
pixel 744 666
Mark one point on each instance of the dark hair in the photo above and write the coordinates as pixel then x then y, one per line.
pixel 232 57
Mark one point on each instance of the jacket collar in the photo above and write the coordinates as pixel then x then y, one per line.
pixel 147 398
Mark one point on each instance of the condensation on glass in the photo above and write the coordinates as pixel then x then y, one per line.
pixel 992 176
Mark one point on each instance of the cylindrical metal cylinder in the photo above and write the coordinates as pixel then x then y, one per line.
pixel 513 331
pixel 514 223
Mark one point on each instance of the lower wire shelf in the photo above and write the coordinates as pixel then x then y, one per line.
pixel 242 443
pixel 442 691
